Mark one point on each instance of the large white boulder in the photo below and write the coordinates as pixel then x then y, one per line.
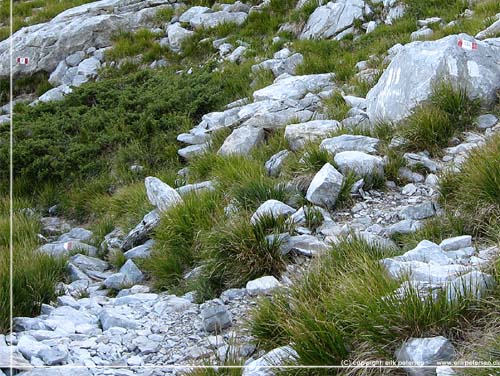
pixel 176 35
pixel 409 78
pixel 360 163
pixel 76 29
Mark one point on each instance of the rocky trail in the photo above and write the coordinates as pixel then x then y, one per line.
pixel 110 321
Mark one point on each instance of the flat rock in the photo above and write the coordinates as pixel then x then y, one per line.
pixel 360 163
pixel 299 134
pixel 349 142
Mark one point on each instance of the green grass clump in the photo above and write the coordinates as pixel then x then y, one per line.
pixel 435 229
pixel 473 192
pixel 129 44
pixel 179 237
pixel 342 309
pixel 34 274
pixel 447 112
pixel 236 251
pixel 336 107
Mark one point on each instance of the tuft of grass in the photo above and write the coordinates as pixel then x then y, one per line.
pixel 34 274
pixel 117 258
pixel 435 229
pixel 236 251
pixel 336 107
pixel 473 192
pixel 142 42
pixel 344 306
pixel 179 237
pixel 447 112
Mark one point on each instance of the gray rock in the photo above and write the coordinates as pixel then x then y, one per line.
pixel 491 31
pixel 406 226
pixel 160 194
pixel 8 353
pixel 262 285
pixel 76 29
pixel 86 263
pixel 425 352
pixel 423 33
pixel 349 142
pixel 474 284
pixel 66 300
pixel 53 356
pixel 128 275
pixel 325 187
pixel 486 121
pixel 75 58
pixel 307 245
pixel 332 19
pixel 419 211
pixel 56 77
pixel 209 20
pixel 30 347
pixel 274 164
pixel 426 251
pixel 62 249
pixel 109 319
pixel 408 79
pixel 141 232
pixel 142 251
pixel 140 298
pixel 456 243
pixel 55 94
pixel 272 208
pixel 215 318
pixel 172 304
pixel 193 150
pixel 360 163
pixel 299 134
pixel 176 35
pixel 22 324
pixel 77 233
pixel 242 141
pixel 274 358
pixel 193 12
pixel 295 87
pixel 198 187
pixel 416 160
pixel 89 67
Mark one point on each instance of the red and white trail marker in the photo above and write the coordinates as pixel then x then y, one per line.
pixel 23 60
pixel 467 45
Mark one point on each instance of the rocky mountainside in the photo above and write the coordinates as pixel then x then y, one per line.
pixel 259 184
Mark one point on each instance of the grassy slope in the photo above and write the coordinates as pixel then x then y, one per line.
pixel 96 133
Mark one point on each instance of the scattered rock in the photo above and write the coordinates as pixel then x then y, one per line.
pixel 160 194
pixel 325 187
pixel 262 285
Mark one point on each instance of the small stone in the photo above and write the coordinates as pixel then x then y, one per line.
pixel 486 121
pixel 262 285
pixel 456 243
pixel 216 318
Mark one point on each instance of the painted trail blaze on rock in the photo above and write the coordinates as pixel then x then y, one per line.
pixel 23 60
pixel 467 45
